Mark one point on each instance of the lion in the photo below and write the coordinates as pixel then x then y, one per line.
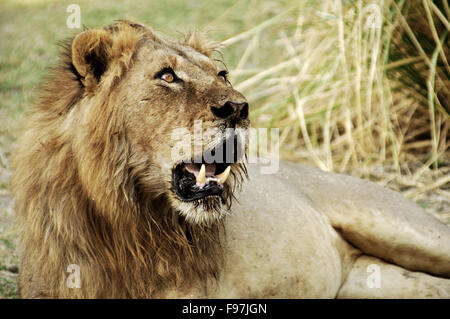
pixel 107 208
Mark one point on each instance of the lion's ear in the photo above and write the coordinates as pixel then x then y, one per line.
pixel 91 53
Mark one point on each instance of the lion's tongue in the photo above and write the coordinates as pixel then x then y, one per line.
pixel 210 169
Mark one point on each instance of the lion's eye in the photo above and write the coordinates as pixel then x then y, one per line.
pixel 223 74
pixel 167 75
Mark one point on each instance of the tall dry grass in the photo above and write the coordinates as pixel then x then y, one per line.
pixel 360 87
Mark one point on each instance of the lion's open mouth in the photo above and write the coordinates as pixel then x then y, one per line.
pixel 206 176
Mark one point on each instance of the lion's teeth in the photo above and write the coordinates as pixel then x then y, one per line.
pixel 201 177
pixel 222 177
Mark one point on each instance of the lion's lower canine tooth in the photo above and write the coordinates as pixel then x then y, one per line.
pixel 222 177
pixel 201 177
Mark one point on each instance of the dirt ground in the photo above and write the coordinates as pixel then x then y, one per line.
pixel 8 242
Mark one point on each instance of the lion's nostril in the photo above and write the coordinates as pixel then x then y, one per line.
pixel 244 111
pixel 230 109
pixel 223 112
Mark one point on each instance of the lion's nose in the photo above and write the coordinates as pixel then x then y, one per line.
pixel 237 111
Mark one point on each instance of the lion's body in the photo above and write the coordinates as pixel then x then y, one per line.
pixel 94 187
pixel 293 234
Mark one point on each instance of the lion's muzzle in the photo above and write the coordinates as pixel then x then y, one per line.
pixel 207 174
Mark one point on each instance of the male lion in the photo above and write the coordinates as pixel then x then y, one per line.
pixel 98 185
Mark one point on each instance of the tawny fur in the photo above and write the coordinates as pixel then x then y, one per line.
pixel 78 198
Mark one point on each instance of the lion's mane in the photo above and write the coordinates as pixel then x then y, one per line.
pixel 81 200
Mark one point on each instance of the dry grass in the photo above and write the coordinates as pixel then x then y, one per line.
pixel 332 76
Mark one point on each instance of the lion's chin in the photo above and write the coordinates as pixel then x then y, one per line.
pixel 206 211
pixel 201 194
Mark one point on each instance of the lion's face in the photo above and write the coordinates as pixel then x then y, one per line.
pixel 184 123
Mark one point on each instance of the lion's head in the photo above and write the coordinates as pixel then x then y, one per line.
pixel 108 174
pixel 178 122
